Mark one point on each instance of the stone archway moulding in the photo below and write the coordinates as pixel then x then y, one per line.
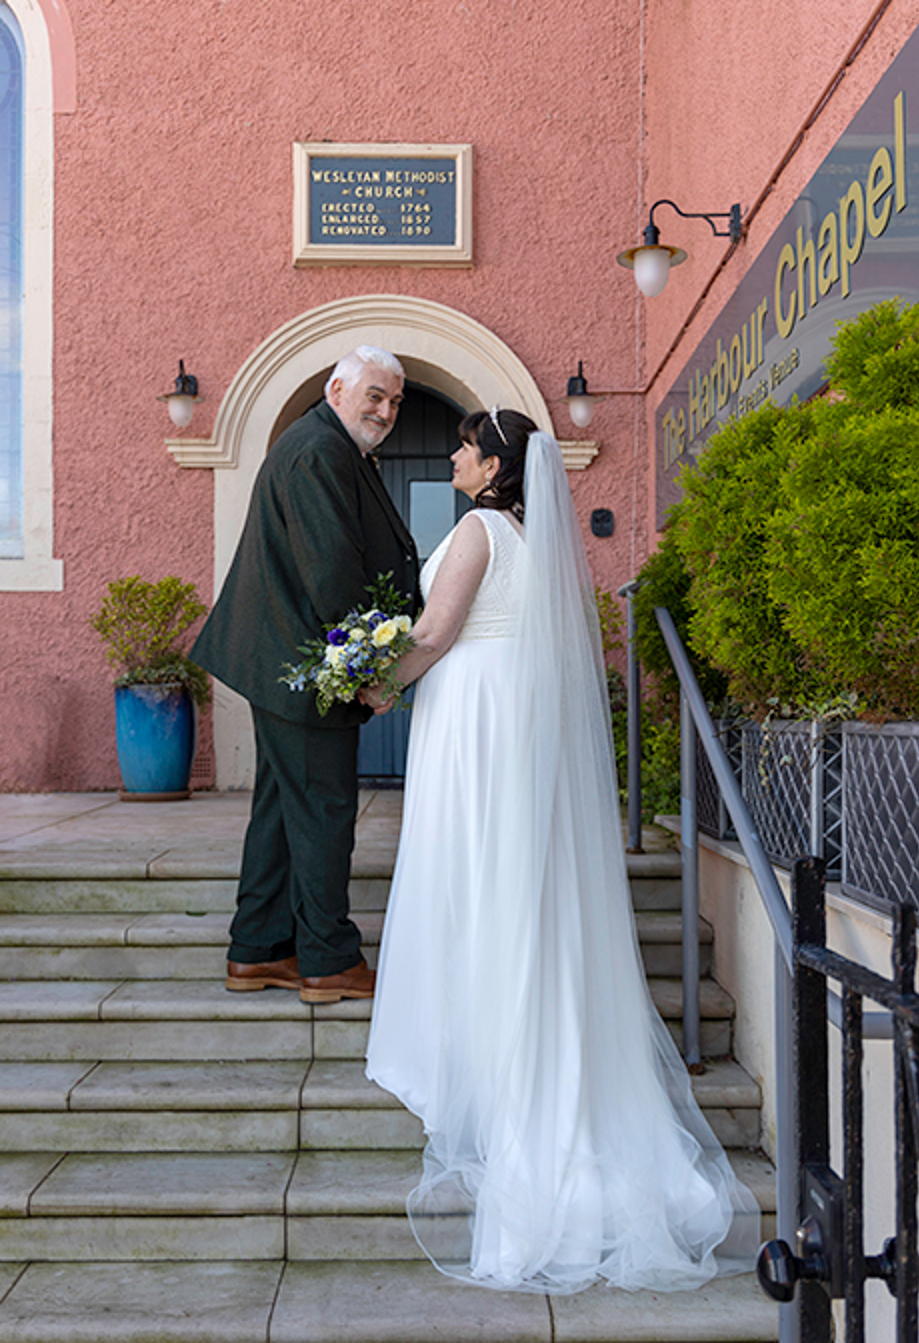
pixel 440 348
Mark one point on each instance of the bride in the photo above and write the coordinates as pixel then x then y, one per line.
pixel 512 1014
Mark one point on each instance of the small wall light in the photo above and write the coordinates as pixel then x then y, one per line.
pixel 181 400
pixel 651 261
pixel 581 403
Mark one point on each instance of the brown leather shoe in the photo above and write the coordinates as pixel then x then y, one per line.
pixel 243 978
pixel 358 982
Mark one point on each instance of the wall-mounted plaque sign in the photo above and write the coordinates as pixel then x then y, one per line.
pixel 408 205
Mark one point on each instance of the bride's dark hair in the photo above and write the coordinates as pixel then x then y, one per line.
pixel 502 434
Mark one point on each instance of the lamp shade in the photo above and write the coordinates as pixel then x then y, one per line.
pixel 651 265
pixel 581 410
pixel 181 408
pixel 652 269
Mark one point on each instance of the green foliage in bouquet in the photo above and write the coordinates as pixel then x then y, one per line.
pixel 142 625
pixel 360 650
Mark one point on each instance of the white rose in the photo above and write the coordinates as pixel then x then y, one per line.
pixel 384 633
pixel 404 623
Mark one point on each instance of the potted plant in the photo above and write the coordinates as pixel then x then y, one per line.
pixel 158 689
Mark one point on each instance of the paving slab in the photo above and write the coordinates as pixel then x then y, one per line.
pixel 199 1000
pixel 23 813
pixel 123 962
pixel 340 1039
pixel 726 1083
pixel 342 1238
pixel 180 929
pixel 112 1239
pixel 250 1085
pixel 151 1131
pixel 730 1310
pixel 89 893
pixel 164 1185
pixel 398 1303
pixel 9 1276
pixel 20 1176
pixel 36 1001
pixel 714 1002
pixel 141 1303
pixel 135 1039
pixel 342 1084
pixel 65 930
pixel 350 1183
pixel 39 1086
pixel 356 1130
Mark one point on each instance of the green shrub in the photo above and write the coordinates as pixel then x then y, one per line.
pixel 665 581
pixel 799 535
pixel 142 625
pixel 722 533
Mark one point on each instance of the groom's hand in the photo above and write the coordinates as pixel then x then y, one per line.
pixel 377 699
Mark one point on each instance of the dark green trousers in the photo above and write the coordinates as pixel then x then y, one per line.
pixel 293 887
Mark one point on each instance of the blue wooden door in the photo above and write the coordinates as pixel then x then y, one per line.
pixel 416 467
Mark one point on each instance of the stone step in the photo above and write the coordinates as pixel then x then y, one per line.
pixel 352 1302
pixel 177 945
pixel 38 889
pixel 110 1019
pixel 206 1206
pixel 262 1106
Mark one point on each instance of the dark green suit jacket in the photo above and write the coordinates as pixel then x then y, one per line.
pixel 320 527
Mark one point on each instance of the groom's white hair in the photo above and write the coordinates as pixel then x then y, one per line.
pixel 351 365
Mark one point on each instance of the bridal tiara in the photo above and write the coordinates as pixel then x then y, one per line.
pixel 493 415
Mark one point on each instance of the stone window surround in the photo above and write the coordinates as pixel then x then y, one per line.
pixel 38 570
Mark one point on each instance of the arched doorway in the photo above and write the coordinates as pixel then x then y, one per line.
pixel 443 352
pixel 415 465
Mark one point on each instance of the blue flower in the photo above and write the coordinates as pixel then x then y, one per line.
pixel 338 636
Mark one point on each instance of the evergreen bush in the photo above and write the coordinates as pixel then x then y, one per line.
pixel 792 561
pixel 142 625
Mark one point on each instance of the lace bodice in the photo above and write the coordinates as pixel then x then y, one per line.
pixel 494 609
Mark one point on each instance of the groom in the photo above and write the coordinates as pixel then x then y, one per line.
pixel 321 527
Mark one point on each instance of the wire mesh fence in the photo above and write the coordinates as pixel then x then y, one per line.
pixel 881 813
pixel 712 814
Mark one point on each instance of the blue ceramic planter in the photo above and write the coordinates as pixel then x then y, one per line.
pixel 155 733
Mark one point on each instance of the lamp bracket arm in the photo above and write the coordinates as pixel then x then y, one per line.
pixel 734 231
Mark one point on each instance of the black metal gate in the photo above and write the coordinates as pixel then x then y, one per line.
pixel 829 1259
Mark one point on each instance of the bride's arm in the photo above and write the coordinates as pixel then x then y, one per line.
pixel 452 593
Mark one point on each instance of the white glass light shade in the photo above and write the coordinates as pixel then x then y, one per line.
pixel 181 409
pixel 652 269
pixel 581 410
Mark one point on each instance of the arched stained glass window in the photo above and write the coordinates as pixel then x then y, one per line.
pixel 11 285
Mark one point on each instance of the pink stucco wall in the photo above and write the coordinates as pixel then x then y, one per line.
pixel 173 238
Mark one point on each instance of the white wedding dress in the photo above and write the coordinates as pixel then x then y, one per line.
pixel 512 1014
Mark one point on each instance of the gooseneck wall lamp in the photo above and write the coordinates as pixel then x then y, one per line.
pixel 582 403
pixel 181 400
pixel 651 261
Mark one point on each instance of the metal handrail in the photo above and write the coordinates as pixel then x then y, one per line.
pixel 695 715
pixel 747 835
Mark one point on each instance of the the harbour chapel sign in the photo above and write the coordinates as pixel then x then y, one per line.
pixel 385 204
pixel 850 240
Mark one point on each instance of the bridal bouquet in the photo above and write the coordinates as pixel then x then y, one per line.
pixel 360 650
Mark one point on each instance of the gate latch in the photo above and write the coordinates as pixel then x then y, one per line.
pixel 819 1242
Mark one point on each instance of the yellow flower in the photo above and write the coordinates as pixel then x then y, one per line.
pixel 404 623
pixel 384 633
pixel 334 656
